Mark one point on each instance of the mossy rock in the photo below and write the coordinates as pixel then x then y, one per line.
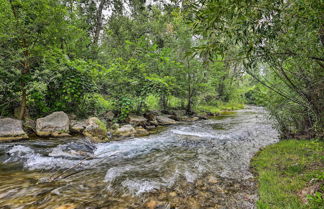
pixel 96 130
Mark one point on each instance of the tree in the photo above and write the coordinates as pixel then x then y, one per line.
pixel 281 45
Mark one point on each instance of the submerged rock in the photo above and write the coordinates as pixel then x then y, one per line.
pixel 96 130
pixel 55 124
pixel 163 120
pixel 125 130
pixel 11 129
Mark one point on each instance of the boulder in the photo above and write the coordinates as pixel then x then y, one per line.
pixel 125 130
pixel 164 120
pixel 109 116
pixel 78 126
pixel 11 129
pixel 96 130
pixel 151 115
pixel 55 124
pixel 140 131
pixel 136 120
pixel 178 114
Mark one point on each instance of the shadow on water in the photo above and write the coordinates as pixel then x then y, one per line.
pixel 204 164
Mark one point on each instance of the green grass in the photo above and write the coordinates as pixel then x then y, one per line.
pixel 216 109
pixel 287 168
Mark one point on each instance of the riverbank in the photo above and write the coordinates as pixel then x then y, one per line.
pixel 290 174
pixel 105 127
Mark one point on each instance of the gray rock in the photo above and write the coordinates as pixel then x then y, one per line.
pixel 164 120
pixel 136 120
pixel 178 114
pixel 96 130
pixel 78 126
pixel 11 129
pixel 151 115
pixel 55 124
pixel 125 130
pixel 109 116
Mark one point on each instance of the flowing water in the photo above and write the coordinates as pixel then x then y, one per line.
pixel 203 164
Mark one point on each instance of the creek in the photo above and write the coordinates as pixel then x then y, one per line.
pixel 202 164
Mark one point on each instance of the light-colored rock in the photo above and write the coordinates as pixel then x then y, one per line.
pixel 125 130
pixel 55 124
pixel 173 194
pixel 67 206
pixel 154 122
pixel 152 204
pixel 192 119
pixel 11 129
pixel 163 120
pixel 78 126
pixel 136 120
pixel 140 131
pixel 96 130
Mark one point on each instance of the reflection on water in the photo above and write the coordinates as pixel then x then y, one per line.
pixel 198 165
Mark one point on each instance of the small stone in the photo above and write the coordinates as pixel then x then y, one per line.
pixel 173 194
pixel 67 206
pixel 152 204
pixel 212 180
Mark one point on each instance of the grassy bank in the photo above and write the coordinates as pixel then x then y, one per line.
pixel 291 175
pixel 217 109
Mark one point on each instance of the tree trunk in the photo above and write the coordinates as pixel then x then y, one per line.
pixel 23 103
pixel 189 104
pixel 99 22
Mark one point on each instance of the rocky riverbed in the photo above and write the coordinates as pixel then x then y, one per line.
pixel 201 164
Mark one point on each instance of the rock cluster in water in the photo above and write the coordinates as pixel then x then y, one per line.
pixel 59 124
